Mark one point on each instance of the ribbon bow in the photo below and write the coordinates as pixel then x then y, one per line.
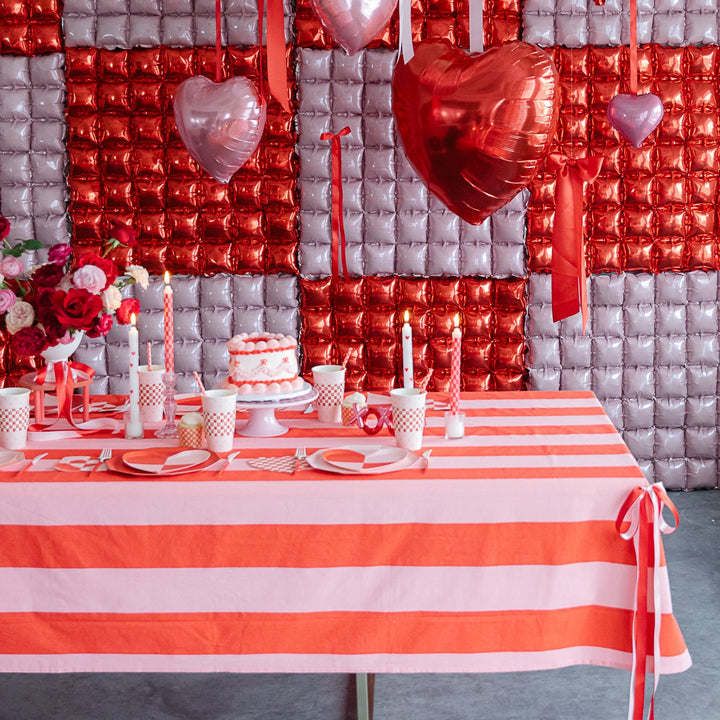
pixel 569 291
pixel 64 386
pixel 338 225
pixel 643 506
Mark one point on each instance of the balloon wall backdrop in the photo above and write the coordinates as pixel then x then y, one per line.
pixel 89 137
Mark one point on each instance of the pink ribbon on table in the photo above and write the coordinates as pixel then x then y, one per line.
pixel 338 224
pixel 569 290
pixel 643 506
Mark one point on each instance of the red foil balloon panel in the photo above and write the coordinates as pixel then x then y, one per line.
pixel 435 18
pixel 30 27
pixel 127 164
pixel 652 209
pixel 365 315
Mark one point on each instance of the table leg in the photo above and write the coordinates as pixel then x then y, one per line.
pixel 365 684
pixel 39 396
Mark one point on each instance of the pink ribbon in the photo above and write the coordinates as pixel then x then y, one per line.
pixel 643 507
pixel 338 224
pixel 64 387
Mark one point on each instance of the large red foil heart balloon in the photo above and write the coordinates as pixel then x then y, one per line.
pixel 353 23
pixel 476 126
pixel 220 123
pixel 635 116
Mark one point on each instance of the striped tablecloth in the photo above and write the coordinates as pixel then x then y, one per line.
pixel 503 555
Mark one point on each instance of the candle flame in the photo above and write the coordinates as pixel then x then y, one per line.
pixel 456 320
pixel 167 277
pixel 132 319
pixel 407 316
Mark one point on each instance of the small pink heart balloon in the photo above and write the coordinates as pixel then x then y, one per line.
pixel 635 116
pixel 353 23
pixel 220 123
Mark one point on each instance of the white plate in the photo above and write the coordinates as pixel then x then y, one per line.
pixel 8 458
pixel 316 461
pixel 267 397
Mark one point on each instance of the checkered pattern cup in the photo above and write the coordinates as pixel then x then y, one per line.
pixel 329 381
pixel 14 417
pixel 408 412
pixel 219 412
pixel 152 393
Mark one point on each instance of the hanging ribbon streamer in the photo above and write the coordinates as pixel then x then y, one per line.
pixel 643 507
pixel 275 43
pixel 218 42
pixel 569 291
pixel 477 43
pixel 405 31
pixel 633 48
pixel 338 224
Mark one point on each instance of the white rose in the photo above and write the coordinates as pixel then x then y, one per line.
pixel 111 298
pixel 139 274
pixel 19 316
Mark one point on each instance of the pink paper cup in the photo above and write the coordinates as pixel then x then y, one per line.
pixel 219 412
pixel 408 412
pixel 14 417
pixel 329 381
pixel 152 392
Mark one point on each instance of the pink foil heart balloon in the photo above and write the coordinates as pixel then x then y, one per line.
pixel 353 23
pixel 220 123
pixel 635 116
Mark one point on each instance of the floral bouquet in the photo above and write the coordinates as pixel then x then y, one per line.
pixel 49 304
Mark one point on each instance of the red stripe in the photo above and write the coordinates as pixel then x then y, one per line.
pixel 333 632
pixel 411 544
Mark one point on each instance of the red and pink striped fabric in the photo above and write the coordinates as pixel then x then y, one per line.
pixel 502 555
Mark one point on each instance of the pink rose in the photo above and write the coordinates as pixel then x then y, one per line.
pixel 7 299
pixel 11 266
pixel 19 316
pixel 102 326
pixel 59 253
pixel 90 278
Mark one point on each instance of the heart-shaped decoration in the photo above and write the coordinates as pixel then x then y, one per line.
pixel 220 123
pixel 353 23
pixel 476 127
pixel 635 116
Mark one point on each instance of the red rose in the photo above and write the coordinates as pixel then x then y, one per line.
pixel 77 309
pixel 4 227
pixel 29 341
pixel 124 235
pixel 101 327
pixel 105 264
pixel 47 276
pixel 127 307
pixel 42 301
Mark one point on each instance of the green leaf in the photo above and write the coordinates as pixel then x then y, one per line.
pixel 33 245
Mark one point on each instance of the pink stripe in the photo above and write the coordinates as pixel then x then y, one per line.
pixel 302 590
pixel 299 663
pixel 315 502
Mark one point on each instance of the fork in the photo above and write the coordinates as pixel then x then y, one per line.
pixel 300 455
pixel 105 454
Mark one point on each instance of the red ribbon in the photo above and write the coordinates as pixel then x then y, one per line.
pixel 275 43
pixel 633 48
pixel 64 387
pixel 569 291
pixel 643 507
pixel 338 225
pixel 218 42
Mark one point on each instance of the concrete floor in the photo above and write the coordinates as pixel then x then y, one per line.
pixel 578 693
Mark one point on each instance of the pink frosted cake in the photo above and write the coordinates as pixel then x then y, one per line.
pixel 263 363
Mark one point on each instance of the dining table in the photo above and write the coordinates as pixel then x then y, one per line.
pixel 533 542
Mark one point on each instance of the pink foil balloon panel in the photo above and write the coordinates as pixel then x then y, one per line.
pixel 353 23
pixel 220 123
pixel 476 126
pixel 635 116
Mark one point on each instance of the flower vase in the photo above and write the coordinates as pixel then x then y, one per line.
pixel 60 353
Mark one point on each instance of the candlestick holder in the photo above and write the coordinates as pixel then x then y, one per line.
pixel 169 429
pixel 454 425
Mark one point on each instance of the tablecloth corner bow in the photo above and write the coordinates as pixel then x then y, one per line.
pixel 569 291
pixel 643 506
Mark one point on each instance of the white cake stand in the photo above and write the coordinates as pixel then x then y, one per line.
pixel 262 421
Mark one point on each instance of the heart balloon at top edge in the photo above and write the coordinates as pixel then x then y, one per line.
pixel 353 23
pixel 476 127
pixel 220 123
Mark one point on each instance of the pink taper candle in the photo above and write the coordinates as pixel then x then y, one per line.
pixel 169 326
pixel 455 367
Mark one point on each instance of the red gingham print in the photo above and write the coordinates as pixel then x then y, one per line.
pixel 409 420
pixel 14 418
pixel 329 395
pixel 193 437
pixel 152 394
pixel 219 424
